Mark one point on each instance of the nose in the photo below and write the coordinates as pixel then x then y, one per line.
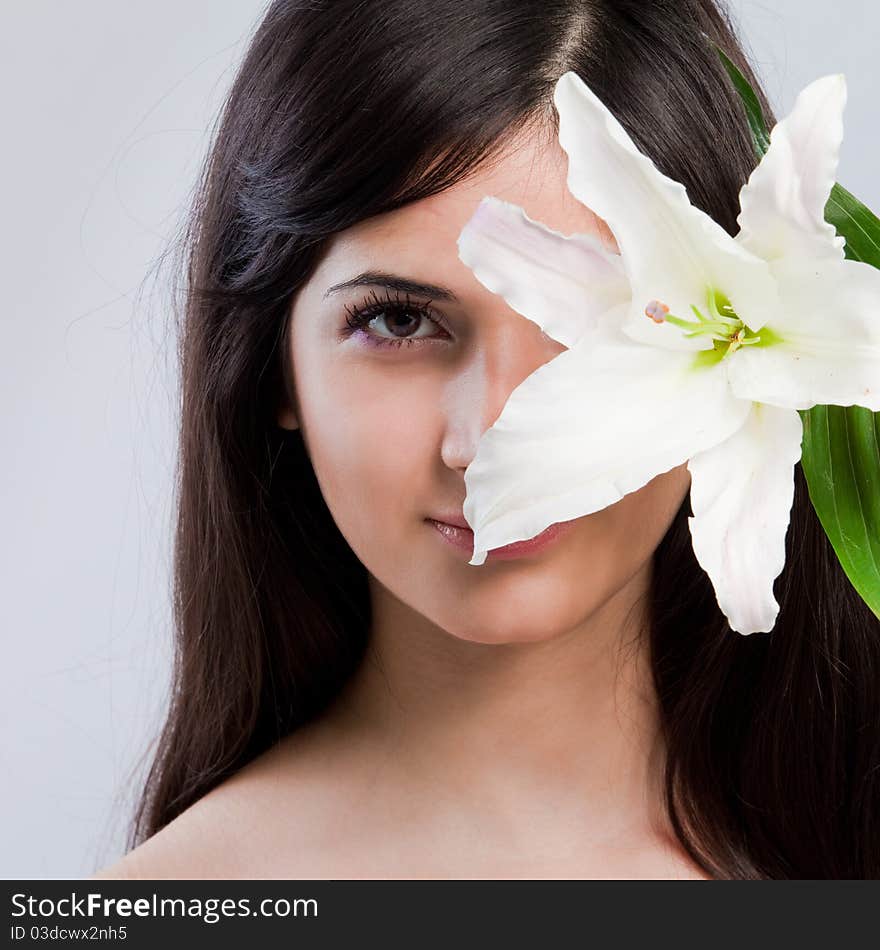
pixel 475 397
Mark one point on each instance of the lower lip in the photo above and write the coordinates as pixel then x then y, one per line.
pixel 463 538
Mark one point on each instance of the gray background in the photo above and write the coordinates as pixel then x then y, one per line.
pixel 106 108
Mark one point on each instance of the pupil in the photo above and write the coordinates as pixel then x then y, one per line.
pixel 392 321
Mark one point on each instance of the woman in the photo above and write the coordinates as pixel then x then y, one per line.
pixel 352 699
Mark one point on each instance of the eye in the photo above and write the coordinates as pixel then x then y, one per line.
pixel 396 317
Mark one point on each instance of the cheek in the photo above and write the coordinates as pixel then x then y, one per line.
pixel 615 547
pixel 370 439
pixel 600 564
pixel 627 534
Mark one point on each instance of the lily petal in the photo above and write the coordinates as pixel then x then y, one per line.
pixel 596 422
pixel 783 203
pixel 562 283
pixel 672 251
pixel 830 350
pixel 741 495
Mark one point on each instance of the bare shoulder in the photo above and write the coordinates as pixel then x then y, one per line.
pixel 326 803
pixel 186 848
pixel 263 822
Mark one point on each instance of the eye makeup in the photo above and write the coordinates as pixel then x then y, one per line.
pixel 391 308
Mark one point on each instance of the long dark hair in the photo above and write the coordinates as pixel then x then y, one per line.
pixel 346 109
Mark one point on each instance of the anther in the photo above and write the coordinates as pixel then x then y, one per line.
pixel 657 311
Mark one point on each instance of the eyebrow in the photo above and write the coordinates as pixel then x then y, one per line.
pixel 404 285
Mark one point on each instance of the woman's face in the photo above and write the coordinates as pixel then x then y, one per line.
pixel 391 426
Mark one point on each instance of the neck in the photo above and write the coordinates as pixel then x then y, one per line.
pixel 570 722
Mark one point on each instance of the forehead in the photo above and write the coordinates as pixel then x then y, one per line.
pixel 529 172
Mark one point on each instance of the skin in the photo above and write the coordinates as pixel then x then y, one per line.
pixel 504 723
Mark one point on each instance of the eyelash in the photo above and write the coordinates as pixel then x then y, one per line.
pixel 359 317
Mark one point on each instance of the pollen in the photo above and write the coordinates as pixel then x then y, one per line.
pixel 657 311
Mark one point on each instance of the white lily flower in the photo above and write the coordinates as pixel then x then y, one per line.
pixel 689 346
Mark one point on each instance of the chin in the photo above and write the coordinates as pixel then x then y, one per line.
pixel 511 622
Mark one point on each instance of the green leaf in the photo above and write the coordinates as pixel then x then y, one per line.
pixel 841 459
pixel 841 449
pixel 754 113
pixel 858 224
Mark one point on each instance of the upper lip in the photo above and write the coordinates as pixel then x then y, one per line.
pixel 455 518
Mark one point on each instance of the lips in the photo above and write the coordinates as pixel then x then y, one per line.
pixel 459 535
pixel 454 518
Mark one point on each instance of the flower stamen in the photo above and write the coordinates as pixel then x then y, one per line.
pixel 722 326
pixel 657 311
